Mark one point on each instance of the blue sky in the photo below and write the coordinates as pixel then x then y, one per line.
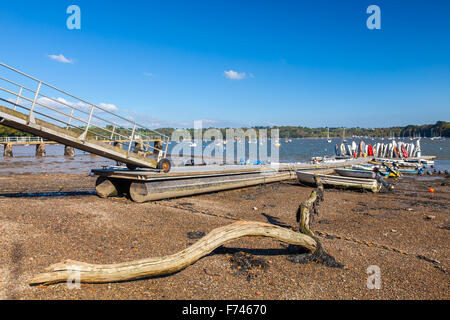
pixel 309 63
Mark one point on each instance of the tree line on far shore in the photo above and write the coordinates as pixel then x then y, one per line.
pixel 439 129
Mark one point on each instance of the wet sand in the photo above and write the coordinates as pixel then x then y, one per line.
pixel 47 218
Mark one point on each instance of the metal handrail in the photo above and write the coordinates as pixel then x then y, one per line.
pixel 92 117
pixel 96 134
pixel 59 102
pixel 21 139
pixel 77 98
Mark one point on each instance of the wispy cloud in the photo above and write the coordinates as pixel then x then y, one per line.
pixel 108 106
pixel 60 58
pixel 154 123
pixel 65 105
pixel 61 103
pixel 148 74
pixel 233 75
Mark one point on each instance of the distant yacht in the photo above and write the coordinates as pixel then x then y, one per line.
pixel 328 135
pixel 343 136
pixel 277 143
pixel 435 137
pixel 287 139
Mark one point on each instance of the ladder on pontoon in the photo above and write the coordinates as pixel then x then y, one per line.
pixel 38 108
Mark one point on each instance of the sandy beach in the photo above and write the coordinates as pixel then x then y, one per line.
pixel 47 218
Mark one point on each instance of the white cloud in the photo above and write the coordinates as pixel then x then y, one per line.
pixel 108 106
pixel 61 103
pixel 233 75
pixel 147 74
pixel 208 121
pixel 65 105
pixel 60 58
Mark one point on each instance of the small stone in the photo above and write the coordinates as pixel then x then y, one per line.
pixel 255 208
pixel 393 230
pixel 430 217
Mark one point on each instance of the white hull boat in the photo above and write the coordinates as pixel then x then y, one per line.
pixel 339 181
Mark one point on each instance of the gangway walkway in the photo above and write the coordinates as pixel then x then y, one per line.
pixel 38 108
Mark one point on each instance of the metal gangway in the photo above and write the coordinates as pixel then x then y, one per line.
pixel 38 108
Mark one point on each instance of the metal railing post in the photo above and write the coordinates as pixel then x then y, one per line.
pixel 132 137
pixel 83 135
pixel 18 98
pixel 70 118
pixel 112 133
pixel 31 117
pixel 63 116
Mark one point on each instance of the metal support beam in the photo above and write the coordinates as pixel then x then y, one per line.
pixel 132 137
pixel 70 118
pixel 18 98
pixel 83 135
pixel 31 117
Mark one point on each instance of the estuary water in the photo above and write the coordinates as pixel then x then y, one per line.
pixel 297 150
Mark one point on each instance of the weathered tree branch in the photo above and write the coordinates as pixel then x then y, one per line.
pixel 309 208
pixel 93 273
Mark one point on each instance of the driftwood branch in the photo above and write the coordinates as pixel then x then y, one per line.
pixel 305 213
pixel 309 208
pixel 94 273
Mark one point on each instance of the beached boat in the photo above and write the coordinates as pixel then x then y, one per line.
pixel 327 160
pixel 339 181
pixel 429 161
pixel 369 167
pixel 355 173
pixel 399 163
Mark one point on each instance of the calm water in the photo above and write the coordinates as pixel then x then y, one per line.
pixel 299 150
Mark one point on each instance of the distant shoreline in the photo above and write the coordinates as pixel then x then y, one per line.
pixel 439 129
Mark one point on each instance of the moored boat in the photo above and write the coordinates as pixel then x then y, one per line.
pixel 370 167
pixel 399 163
pixel 355 173
pixel 339 181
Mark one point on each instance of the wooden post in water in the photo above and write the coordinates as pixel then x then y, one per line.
pixel 7 152
pixel 40 150
pixel 69 151
pixel 118 144
pixel 139 147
